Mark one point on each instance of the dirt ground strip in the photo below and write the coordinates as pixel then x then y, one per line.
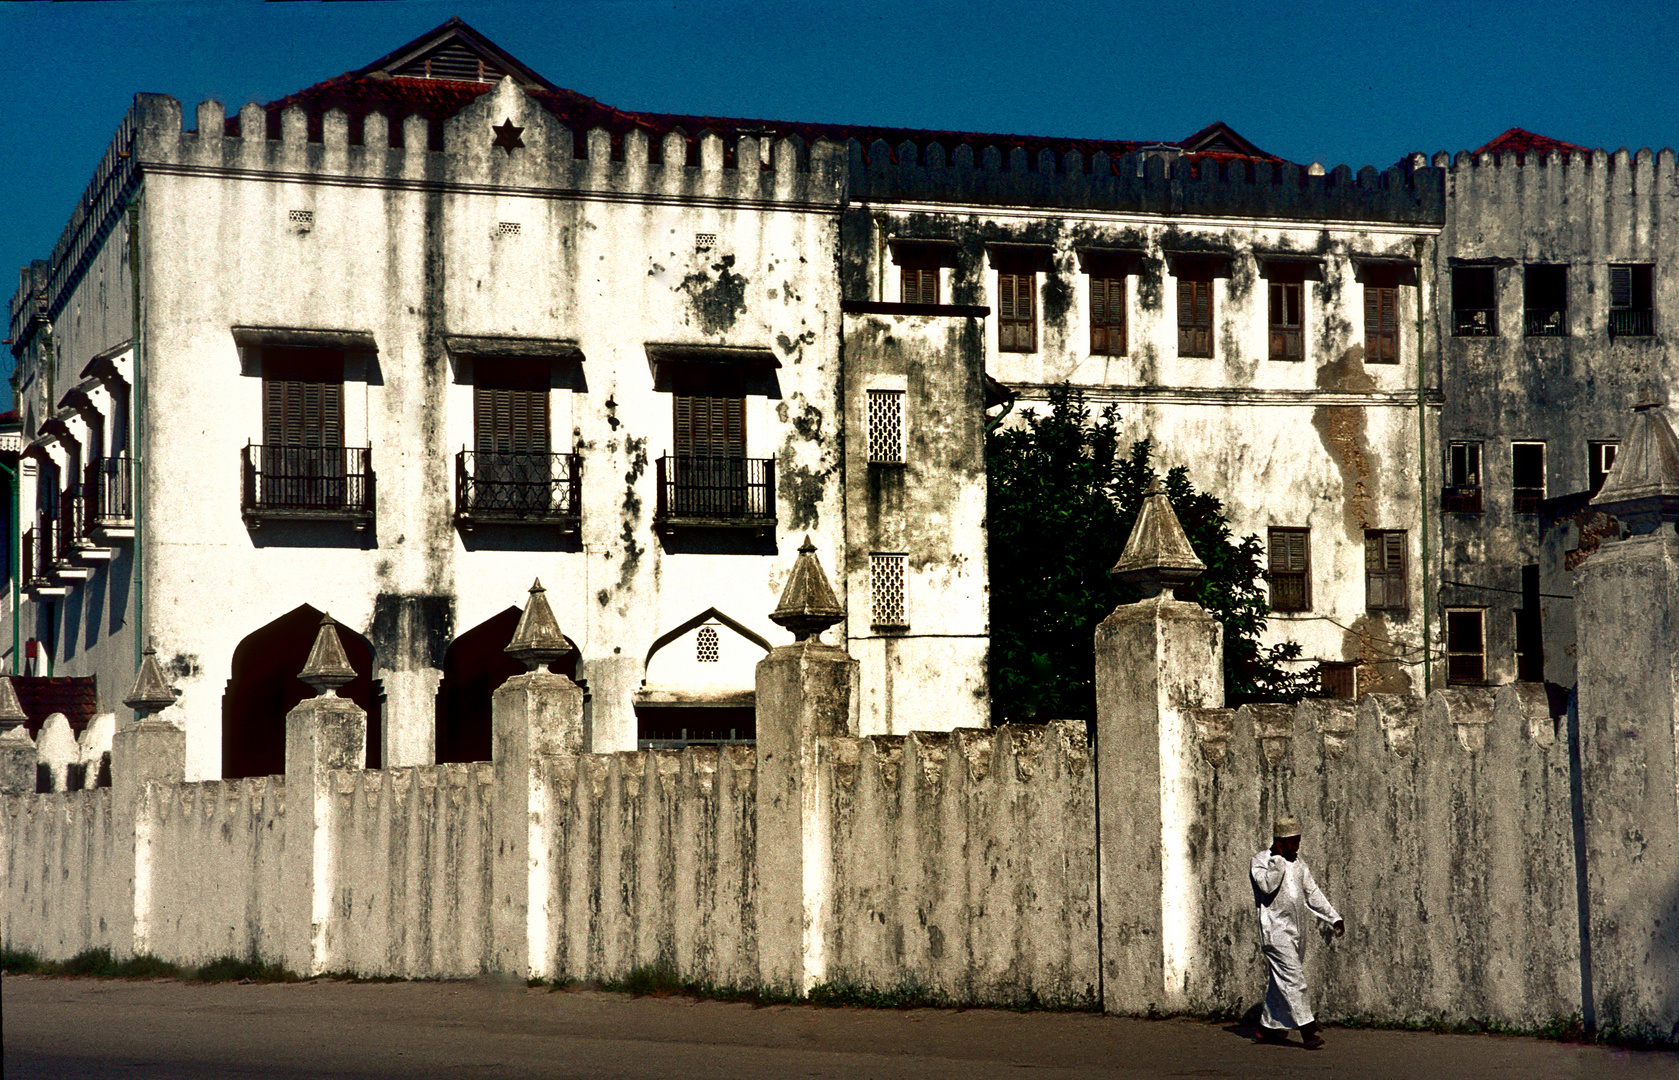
pixel 92 1028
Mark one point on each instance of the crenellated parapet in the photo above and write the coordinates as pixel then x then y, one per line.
pixel 1557 189
pixel 1144 182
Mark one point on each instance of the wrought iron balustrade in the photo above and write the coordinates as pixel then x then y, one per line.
pixel 307 483
pixel 1461 499
pixel 1474 322
pixel 1546 322
pixel 69 530
pixel 108 494
pixel 528 489
pixel 727 492
pixel 1631 322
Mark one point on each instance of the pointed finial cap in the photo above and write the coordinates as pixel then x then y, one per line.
pixel 1157 553
pixel 11 709
pixel 150 693
pixel 328 666
pixel 1642 489
pixel 808 605
pixel 537 641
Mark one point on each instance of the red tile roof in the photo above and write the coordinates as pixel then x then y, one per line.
pixel 76 697
pixel 370 90
pixel 1517 141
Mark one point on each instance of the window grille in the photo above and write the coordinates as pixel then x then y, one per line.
pixel 302 217
pixel 1466 645
pixel 886 590
pixel 507 228
pixel 886 426
pixel 1289 569
pixel 705 645
pixel 1527 476
pixel 1384 570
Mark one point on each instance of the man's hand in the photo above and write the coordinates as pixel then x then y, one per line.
pixel 1340 928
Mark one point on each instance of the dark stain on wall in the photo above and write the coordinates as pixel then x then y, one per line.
pixel 411 630
pixel 1058 296
pixel 637 451
pixel 183 666
pixel 1367 641
pixel 717 302
pixel 801 491
pixel 1343 430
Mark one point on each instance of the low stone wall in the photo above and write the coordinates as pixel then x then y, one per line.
pixel 653 861
pixel 64 878
pixel 1441 829
pixel 963 863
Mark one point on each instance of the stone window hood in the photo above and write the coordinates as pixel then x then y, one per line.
pixel 1111 261
pixel 469 353
pixel 1216 263
pixel 1292 264
pixel 1021 258
pixel 1397 268
pixel 922 251
pixel 358 346
pixel 756 367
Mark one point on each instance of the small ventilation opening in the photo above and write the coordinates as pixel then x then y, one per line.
pixel 507 228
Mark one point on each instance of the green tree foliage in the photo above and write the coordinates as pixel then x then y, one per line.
pixel 1062 502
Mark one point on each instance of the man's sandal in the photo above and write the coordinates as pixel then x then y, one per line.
pixel 1314 1041
pixel 1275 1036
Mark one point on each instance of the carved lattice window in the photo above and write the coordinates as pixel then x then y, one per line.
pixel 706 645
pixel 886 590
pixel 886 426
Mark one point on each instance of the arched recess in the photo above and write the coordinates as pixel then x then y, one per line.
pixel 265 687
pixel 474 665
pixel 698 683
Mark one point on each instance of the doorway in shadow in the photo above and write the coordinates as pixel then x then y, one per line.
pixel 265 687
pixel 474 666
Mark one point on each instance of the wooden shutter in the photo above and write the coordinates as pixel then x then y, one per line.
pixel 1016 326
pixel 1381 324
pixel 1620 286
pixel 510 421
pixel 1289 570
pixel 1195 318
pixel 920 284
pixel 1384 569
pixel 1107 316
pixel 709 426
pixel 303 398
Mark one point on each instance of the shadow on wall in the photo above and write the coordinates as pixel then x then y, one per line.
pixel 265 687
pixel 473 667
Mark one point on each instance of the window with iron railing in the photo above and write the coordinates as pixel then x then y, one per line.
pixel 1527 476
pixel 1474 301
pixel 1462 494
pixel 1632 301
pixel 1545 301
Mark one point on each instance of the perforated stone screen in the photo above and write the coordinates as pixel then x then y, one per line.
pixel 886 426
pixel 886 589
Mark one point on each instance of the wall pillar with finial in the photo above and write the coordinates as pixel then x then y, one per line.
pixel 534 717
pixel 323 733
pixel 1155 660
pixel 17 749
pixel 1627 627
pixel 803 693
pixel 151 750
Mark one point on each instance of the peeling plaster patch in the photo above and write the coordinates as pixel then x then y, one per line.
pixel 717 303
pixel 184 665
pixel 1344 431
pixel 1595 526
pixel 1378 672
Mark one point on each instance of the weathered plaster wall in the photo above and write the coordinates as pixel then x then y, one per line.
pixel 407 244
pixel 1585 211
pixel 929 675
pixel 1441 830
pixel 63 889
pixel 964 863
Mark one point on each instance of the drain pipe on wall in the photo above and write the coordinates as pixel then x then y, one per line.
pixel 15 544
pixel 136 429
pixel 1420 246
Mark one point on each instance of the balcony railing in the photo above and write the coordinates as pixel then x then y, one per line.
pixel 719 492
pixel 518 489
pixel 69 529
pixel 307 483
pixel 108 498
pixel 1631 322
pixel 1474 322
pixel 1545 322
pixel 1461 499
pixel 1527 499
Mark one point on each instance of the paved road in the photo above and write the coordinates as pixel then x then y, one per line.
pixel 92 1029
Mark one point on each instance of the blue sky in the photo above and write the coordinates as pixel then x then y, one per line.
pixel 1359 84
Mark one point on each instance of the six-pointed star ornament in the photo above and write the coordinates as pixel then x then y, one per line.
pixel 507 136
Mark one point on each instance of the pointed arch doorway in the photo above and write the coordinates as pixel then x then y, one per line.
pixel 474 666
pixel 265 687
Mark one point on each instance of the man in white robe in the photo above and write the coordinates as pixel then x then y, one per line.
pixel 1284 891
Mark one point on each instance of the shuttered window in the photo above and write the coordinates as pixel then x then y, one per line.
pixel 1195 317
pixel 1381 324
pixel 1631 301
pixel 303 397
pixel 1107 316
pixel 920 284
pixel 510 413
pixel 1289 569
pixel 709 426
pixel 1286 337
pixel 1466 645
pixel 1384 570
pixel 1017 326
